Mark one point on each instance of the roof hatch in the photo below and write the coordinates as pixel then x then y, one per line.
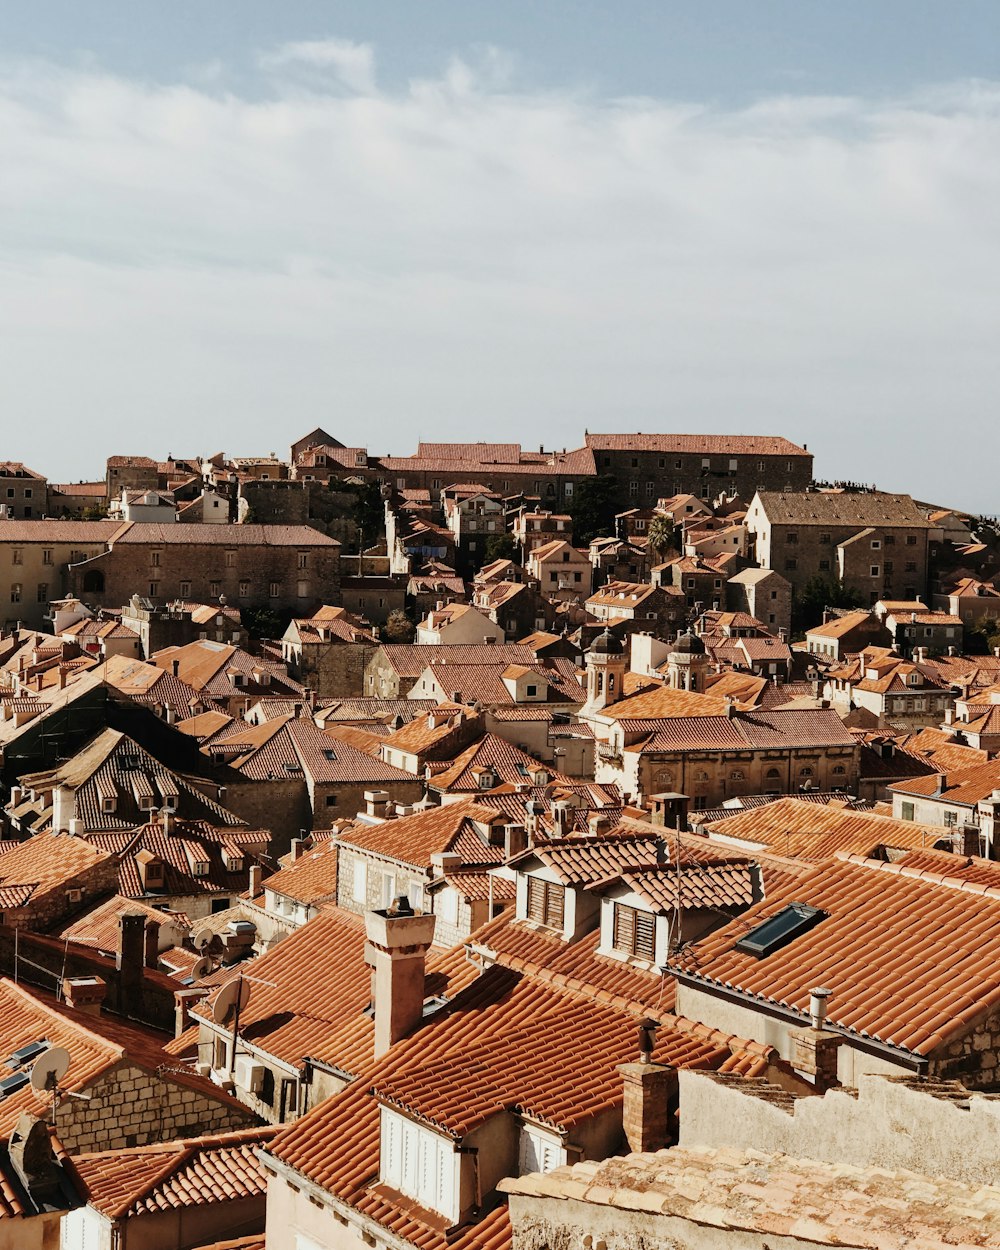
pixel 780 929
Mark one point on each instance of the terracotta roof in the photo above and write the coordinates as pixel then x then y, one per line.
pixel 755 730
pixel 815 831
pixel 95 1044
pixel 848 508
pixel 190 1172
pixel 79 488
pixel 726 887
pixel 694 444
pixel 44 863
pixel 310 878
pixel 756 1198
pixel 186 840
pixel 100 927
pixel 288 746
pixel 477 886
pixel 179 534
pixel 412 840
pixel 583 859
pixel 507 762
pixel 965 787
pixel 664 702
pixel 86 533
pixel 410 659
pixel 912 960
pixel 947 864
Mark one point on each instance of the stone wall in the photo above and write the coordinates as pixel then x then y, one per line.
pixel 890 1122
pixel 43 911
pixel 129 1106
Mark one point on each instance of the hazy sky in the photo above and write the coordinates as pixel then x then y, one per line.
pixel 224 222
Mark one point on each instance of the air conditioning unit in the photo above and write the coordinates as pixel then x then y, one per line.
pixel 249 1074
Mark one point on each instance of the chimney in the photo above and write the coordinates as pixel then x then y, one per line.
pixel 256 876
pixel 167 819
pixel 398 940
pixel 33 1159
pixel 130 960
pixel 184 1000
pixel 443 862
pixel 299 847
pixel 814 1049
pixel 515 840
pixel 560 819
pixel 730 707
pixel 376 803
pixel 966 840
pixel 599 825
pixel 170 713
pixel 650 1090
pixel 85 994
pixel 175 667
pixel 949 716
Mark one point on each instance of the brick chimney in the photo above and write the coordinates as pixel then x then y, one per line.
pixel 649 1090
pixel 814 1049
pixel 398 940
pixel 130 960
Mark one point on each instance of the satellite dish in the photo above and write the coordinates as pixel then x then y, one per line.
pixel 201 967
pixel 49 1069
pixel 202 939
pixel 230 998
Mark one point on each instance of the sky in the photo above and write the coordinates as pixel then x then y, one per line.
pixel 225 222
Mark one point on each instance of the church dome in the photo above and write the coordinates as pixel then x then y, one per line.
pixel 688 644
pixel 606 644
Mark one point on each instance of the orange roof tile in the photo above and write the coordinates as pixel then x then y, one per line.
pixel 412 840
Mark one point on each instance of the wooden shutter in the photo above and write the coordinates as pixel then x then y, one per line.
pixel 624 939
pixel 536 900
pixel 555 902
pixel 645 935
pixel 635 932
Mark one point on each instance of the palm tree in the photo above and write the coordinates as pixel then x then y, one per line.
pixel 660 534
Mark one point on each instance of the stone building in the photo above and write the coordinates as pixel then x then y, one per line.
pixel 35 558
pixel 261 566
pixel 648 467
pixel 23 492
pixel 130 473
pixel 763 594
pixel 873 543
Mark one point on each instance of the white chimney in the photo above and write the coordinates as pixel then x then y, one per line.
pixel 817 1007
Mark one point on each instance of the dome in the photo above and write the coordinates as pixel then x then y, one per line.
pixel 606 644
pixel 688 644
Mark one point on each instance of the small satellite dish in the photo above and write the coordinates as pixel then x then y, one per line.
pixel 235 993
pixel 201 967
pixel 49 1069
pixel 202 939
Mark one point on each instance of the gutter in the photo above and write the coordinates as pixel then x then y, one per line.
pixel 870 1046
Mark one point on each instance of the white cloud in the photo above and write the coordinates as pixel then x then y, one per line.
pixel 352 63
pixel 185 270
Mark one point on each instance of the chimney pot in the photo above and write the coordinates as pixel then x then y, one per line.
pixel 817 1006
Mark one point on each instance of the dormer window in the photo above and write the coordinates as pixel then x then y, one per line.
pixel 634 932
pixel 420 1164
pixel 546 902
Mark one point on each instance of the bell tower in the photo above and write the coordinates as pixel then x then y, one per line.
pixel 605 671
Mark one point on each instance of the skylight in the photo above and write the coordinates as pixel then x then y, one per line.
pixel 783 927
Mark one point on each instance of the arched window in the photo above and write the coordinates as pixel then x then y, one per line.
pixel 93 581
pixel 839 769
pixel 773 774
pixel 805 771
pixel 736 775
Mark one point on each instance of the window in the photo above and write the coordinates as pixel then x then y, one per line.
pixel 783 927
pixel 43 592
pixel 546 902
pixel 911 540
pixel 27 492
pixel 635 931
pixel 214 589
pixel 951 819
pixel 824 540
pixel 47 555
pixel 154 559
pixel 906 811
pixel 824 566
pixel 875 570
pixel 230 559
pixel 706 462
pixel 154 589
pixel 185 589
pixel 531 691
pixel 419 1163
pixel 633 488
pixel 303 559
pixel 274 590
pixel 331 800
pixel 359 891
pixel 732 466
pixel 791 537
pixel 635 462
pixel 18 556
pixel 791 563
pixel 876 544
pixel 15 592
pixel 910 566
pixel 244 589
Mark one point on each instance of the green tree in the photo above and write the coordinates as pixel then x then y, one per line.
pixel 368 512
pixel 398 627
pixel 500 547
pixel 818 593
pixel 661 535
pixel 982 637
pixel 265 622
pixel 593 508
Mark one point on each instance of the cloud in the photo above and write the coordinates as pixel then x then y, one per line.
pixel 186 268
pixel 352 63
